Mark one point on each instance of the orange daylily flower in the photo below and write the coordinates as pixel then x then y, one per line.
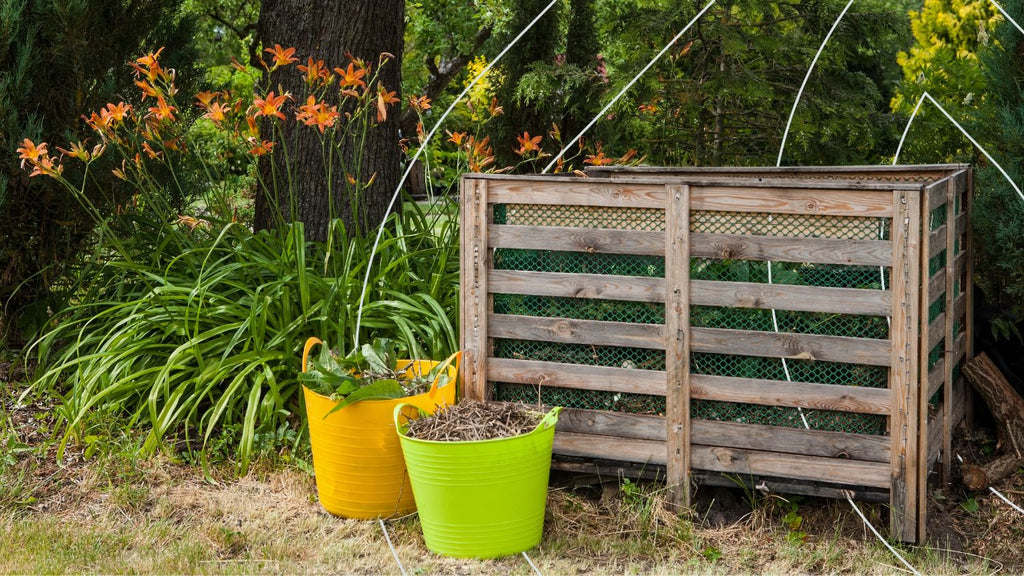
pixel 149 65
pixel 162 110
pixel 148 90
pixel 528 144
pixel 419 103
pixel 456 138
pixel 261 148
pixel 254 130
pixel 315 71
pixel 598 159
pixel 383 99
pixel 78 151
pixel 153 154
pixel 30 152
pixel 317 114
pixel 117 112
pixel 45 167
pixel 205 98
pixel 352 76
pixel 495 109
pixel 282 56
pixel 216 112
pixel 150 59
pixel 270 106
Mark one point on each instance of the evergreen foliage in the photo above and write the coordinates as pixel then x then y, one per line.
pixel 60 60
pixel 998 221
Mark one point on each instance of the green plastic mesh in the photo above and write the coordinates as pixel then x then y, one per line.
pixel 790 273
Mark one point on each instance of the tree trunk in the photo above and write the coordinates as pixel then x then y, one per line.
pixel 326 30
pixel 1008 410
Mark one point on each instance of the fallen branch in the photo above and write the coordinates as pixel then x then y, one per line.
pixel 1007 409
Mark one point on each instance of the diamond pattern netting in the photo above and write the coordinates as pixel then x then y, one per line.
pixel 788 273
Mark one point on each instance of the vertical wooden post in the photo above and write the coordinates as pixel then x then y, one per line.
pixel 474 258
pixel 677 343
pixel 968 394
pixel 919 381
pixel 948 398
pixel 903 421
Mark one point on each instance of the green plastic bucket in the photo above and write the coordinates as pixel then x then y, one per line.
pixel 481 499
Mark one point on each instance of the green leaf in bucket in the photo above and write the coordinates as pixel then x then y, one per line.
pixel 379 390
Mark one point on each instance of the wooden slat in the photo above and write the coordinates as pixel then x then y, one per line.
pixel 610 448
pixel 786 249
pixel 782 297
pixel 937 283
pixel 935 193
pixel 936 376
pixel 883 172
pixel 819 200
pixel 678 252
pixel 919 473
pixel 593 332
pixel 937 238
pixel 792 346
pixel 473 287
pixel 906 307
pixel 798 441
pixel 935 435
pixel 710 340
pixel 606 423
pixel 967 274
pixel 567 239
pixel 702 292
pixel 577 192
pixel 792 394
pixel 936 332
pixel 952 315
pixel 567 285
pixel 576 376
pixel 833 470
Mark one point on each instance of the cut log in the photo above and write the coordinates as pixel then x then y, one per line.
pixel 1007 409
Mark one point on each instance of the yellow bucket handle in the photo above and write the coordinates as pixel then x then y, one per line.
pixel 310 342
pixel 443 366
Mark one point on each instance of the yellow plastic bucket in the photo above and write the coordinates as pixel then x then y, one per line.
pixel 357 457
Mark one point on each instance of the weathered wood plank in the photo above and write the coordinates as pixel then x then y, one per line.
pixel 819 200
pixel 935 435
pixel 936 376
pixel 955 230
pixel 712 340
pixel 677 343
pixel 878 173
pixel 568 285
pixel 577 192
pixel 937 283
pixel 966 275
pixel 792 346
pixel 792 394
pixel 606 423
pixel 796 441
pixel 935 193
pixel 783 297
pixel 786 249
pixel 475 304
pixel 903 370
pixel 593 332
pixel 610 448
pixel 919 473
pixel 567 239
pixel 834 470
pixel 578 376
pixel 702 292
pixel 937 238
pixel 936 332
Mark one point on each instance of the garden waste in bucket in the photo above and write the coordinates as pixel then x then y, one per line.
pixel 480 499
pixel 357 457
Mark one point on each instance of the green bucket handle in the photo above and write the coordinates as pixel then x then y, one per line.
pixel 549 419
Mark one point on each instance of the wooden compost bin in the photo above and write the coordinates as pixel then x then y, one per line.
pixel 799 329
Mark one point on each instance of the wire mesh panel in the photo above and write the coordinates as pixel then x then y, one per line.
pixel 801 341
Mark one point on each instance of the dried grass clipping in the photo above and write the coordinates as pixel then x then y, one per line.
pixel 471 420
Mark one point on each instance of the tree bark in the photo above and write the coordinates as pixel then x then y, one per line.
pixel 1008 410
pixel 327 30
